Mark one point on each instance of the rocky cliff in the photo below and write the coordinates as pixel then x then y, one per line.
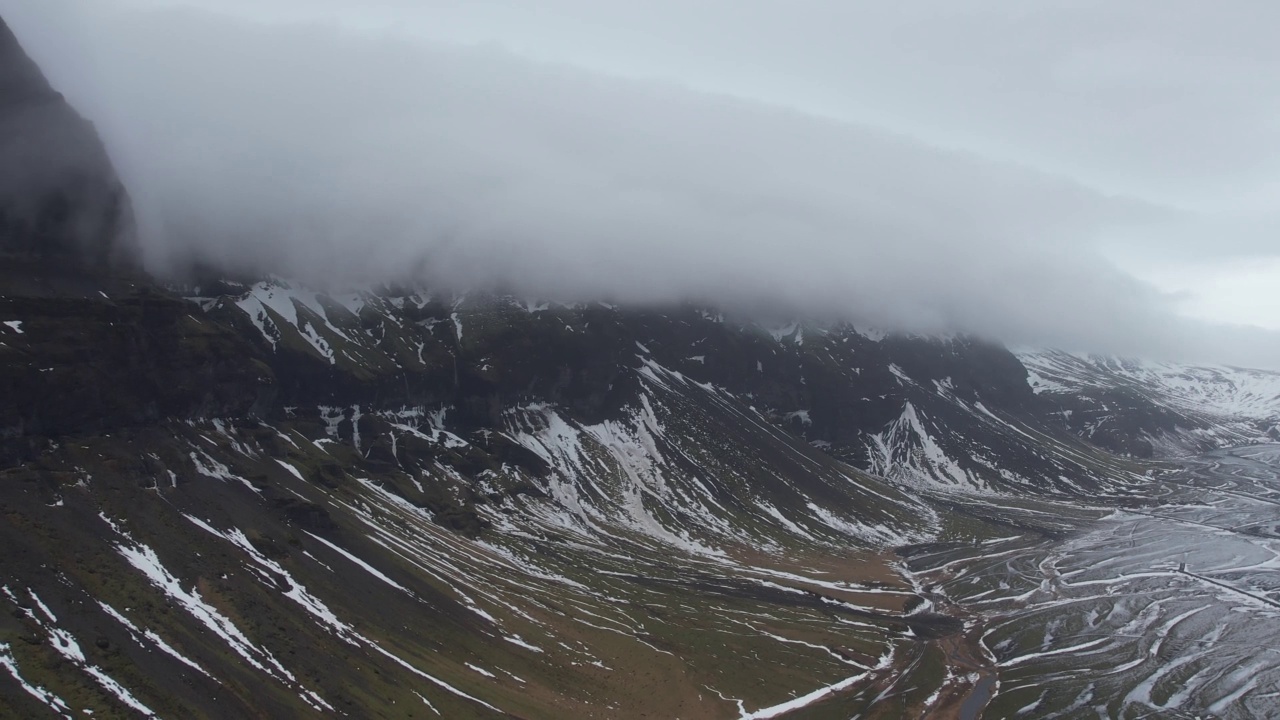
pixel 62 206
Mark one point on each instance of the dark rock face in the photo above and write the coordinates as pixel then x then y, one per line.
pixel 94 365
pixel 61 202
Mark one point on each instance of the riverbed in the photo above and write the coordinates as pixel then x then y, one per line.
pixel 1168 608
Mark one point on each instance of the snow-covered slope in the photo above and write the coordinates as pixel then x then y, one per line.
pixel 952 413
pixel 1175 408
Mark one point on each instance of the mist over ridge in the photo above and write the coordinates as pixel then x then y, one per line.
pixel 340 156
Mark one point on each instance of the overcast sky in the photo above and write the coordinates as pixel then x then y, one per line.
pixel 1099 175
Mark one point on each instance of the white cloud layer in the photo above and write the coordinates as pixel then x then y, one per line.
pixel 311 139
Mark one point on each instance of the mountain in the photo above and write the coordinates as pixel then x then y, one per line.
pixel 1150 408
pixel 952 412
pixel 260 500
pixel 264 499
pixel 63 209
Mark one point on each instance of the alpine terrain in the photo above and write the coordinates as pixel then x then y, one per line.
pixel 242 498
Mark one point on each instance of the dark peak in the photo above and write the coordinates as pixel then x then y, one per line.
pixel 62 207
pixel 21 81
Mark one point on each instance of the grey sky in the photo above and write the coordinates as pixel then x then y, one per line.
pixel 1072 173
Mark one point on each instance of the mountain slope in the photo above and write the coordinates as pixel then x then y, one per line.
pixel 952 412
pixel 428 488
pixel 489 507
pixel 61 204
pixel 549 546
pixel 1145 408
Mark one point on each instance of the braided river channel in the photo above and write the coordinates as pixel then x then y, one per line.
pixel 1169 607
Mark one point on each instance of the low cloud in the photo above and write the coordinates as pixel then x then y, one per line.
pixel 339 155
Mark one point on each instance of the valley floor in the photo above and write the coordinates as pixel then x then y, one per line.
pixel 1168 609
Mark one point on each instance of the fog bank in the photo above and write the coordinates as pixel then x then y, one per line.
pixel 338 154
